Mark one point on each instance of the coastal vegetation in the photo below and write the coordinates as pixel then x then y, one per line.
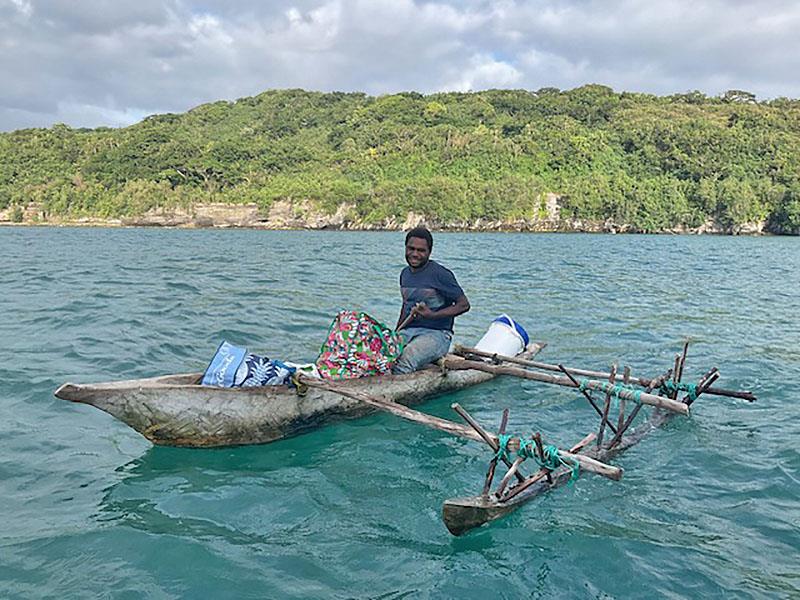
pixel 642 162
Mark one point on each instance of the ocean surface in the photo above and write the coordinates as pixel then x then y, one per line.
pixel 709 505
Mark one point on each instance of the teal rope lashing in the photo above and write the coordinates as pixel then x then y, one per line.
pixel 669 387
pixel 502 447
pixel 620 387
pixel 691 391
pixel 527 448
pixel 551 460
pixel 614 390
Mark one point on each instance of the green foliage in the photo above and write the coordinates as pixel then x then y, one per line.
pixel 654 163
pixel 16 214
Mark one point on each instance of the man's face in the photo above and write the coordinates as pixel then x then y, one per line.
pixel 417 252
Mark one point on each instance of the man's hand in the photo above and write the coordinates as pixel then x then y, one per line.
pixel 424 312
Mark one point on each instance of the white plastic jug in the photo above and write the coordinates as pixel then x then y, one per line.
pixel 504 336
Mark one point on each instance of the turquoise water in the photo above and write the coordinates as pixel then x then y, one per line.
pixel 709 505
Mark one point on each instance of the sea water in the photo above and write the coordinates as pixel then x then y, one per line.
pixel 709 505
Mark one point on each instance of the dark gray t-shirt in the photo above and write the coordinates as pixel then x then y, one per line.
pixel 434 285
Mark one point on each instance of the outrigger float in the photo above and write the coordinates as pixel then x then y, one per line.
pixel 554 466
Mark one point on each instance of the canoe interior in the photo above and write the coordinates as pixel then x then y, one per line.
pixel 187 381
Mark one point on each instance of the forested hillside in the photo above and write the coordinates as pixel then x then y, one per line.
pixel 652 163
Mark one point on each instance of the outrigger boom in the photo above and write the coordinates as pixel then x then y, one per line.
pixel 555 466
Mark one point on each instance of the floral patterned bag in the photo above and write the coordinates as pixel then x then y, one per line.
pixel 358 346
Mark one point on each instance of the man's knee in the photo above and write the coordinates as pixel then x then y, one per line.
pixel 420 351
pixel 403 365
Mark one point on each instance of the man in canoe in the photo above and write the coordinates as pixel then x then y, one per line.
pixel 432 299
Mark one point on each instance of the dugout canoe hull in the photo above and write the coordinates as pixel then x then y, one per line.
pixel 174 410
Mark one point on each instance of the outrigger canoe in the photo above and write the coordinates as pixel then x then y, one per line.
pixel 175 410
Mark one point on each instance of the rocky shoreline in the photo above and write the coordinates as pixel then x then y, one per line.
pixel 286 215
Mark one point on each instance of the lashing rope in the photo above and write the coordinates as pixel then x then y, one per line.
pixel 614 390
pixel 551 459
pixel 669 387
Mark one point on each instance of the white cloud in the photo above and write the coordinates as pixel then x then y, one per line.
pixel 88 115
pixel 484 72
pixel 120 60
pixel 24 7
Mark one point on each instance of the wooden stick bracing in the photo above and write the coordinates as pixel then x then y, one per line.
pixel 653 384
pixel 512 470
pixel 586 463
pixel 397 409
pixel 644 382
pixel 683 359
pixel 585 394
pixel 462 514
pixel 626 379
pixel 492 441
pixel 594 466
pixel 537 438
pixel 453 428
pixel 645 398
pixel 676 376
pixel 705 383
pixel 493 463
pixel 544 472
pixel 538 476
pixel 604 418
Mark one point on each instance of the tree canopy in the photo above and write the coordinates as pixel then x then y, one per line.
pixel 651 162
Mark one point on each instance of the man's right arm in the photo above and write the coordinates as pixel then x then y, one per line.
pixel 402 302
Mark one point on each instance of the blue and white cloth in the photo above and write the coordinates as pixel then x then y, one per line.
pixel 233 366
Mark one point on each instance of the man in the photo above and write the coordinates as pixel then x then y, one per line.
pixel 431 300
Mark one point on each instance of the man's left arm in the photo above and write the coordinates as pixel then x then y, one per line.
pixel 450 288
pixel 460 306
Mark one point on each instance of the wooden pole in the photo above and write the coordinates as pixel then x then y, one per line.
pixel 585 394
pixel 593 466
pixel 483 435
pixel 397 409
pixel 466 351
pixel 543 472
pixel 538 476
pixel 478 435
pixel 588 464
pixel 493 463
pixel 604 419
pixel 626 378
pixel 653 384
pixel 683 359
pixel 411 314
pixel 512 470
pixel 645 398
pixel 537 438
pixel 705 382
pixel 462 514
pixel 676 377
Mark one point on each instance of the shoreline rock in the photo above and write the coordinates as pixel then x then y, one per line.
pixel 301 215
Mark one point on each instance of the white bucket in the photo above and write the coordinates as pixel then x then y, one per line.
pixel 504 336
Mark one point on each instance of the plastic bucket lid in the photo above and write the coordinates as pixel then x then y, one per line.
pixel 506 320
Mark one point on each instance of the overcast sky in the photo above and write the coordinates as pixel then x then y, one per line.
pixel 112 62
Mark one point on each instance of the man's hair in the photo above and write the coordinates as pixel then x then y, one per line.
pixel 421 233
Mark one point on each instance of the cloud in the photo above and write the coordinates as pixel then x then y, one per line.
pixel 107 63
pixel 24 7
pixel 483 72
